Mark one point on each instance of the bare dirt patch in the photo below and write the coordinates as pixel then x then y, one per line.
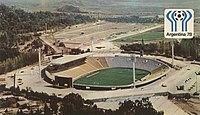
pixel 192 106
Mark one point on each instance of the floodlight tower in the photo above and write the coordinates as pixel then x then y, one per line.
pixel 196 83
pixel 133 58
pixel 14 85
pixel 197 73
pixel 92 42
pixel 39 58
pixel 46 28
pixel 172 53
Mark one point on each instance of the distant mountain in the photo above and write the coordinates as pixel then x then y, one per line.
pixel 106 6
pixel 69 8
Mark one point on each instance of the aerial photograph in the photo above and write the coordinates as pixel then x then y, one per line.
pixel 99 57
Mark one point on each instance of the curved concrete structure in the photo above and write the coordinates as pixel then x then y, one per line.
pixel 151 65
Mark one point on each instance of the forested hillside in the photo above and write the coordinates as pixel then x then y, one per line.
pixel 187 48
pixel 17 27
pixel 105 6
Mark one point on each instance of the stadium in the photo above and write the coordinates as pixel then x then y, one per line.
pixel 88 72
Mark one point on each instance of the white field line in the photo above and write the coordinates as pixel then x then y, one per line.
pixel 92 74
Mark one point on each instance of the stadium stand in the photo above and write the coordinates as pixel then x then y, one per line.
pixel 76 66
pixel 102 61
pixel 141 63
pixel 73 73
pixel 90 64
pixel 94 62
pixel 67 62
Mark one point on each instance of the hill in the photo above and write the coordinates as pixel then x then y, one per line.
pixel 69 8
pixel 105 6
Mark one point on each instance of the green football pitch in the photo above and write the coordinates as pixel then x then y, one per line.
pixel 144 36
pixel 111 77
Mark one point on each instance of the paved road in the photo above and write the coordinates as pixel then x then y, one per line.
pixel 174 78
pixel 160 103
pixel 31 79
pixel 49 42
pixel 106 42
pixel 108 45
pixel 135 32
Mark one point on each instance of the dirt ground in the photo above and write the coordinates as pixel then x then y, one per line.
pixel 82 34
pixel 192 106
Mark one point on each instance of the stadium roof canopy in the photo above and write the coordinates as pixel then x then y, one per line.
pixel 68 58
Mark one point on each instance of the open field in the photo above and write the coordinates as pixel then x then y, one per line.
pixel 145 36
pixel 82 34
pixel 111 77
pixel 150 36
pixel 105 6
pixel 155 34
pixel 101 33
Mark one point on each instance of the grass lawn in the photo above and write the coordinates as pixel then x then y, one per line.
pixel 111 77
pixel 144 36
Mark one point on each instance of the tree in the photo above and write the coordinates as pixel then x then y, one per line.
pixel 72 104
pixel 15 24
pixel 142 44
pixel 88 50
pixel 47 110
pixel 75 51
pixel 54 106
pixel 17 90
pixel 139 107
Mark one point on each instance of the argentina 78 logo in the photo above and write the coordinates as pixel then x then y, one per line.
pixel 179 23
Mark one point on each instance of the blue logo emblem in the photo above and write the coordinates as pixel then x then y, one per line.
pixel 182 16
pixel 179 23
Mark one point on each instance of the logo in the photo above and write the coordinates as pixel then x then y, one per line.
pixel 179 23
